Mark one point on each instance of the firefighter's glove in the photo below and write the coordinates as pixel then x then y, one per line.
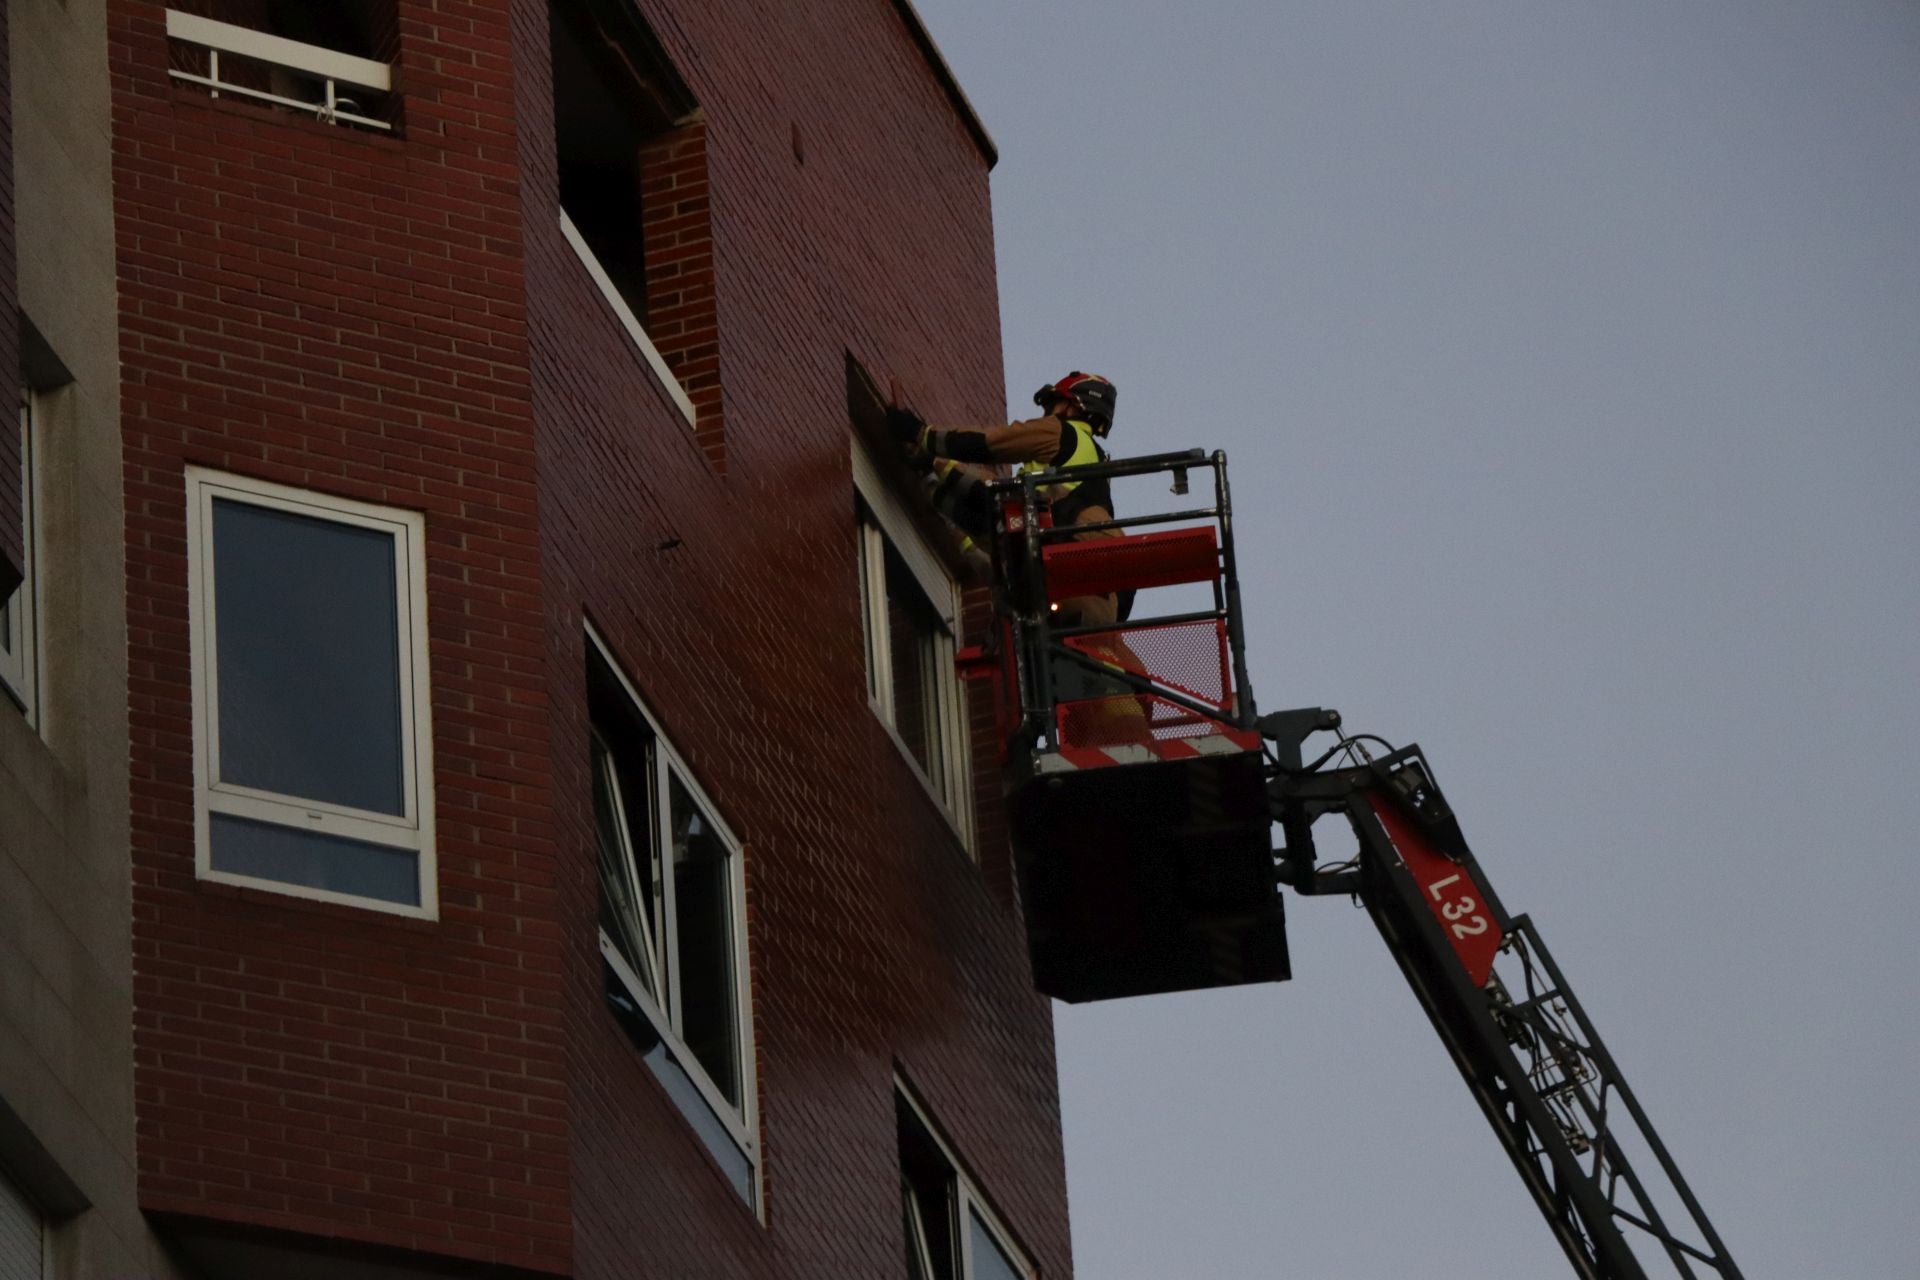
pixel 906 425
pixel 945 476
pixel 976 558
pixel 939 477
pixel 911 431
pixel 959 495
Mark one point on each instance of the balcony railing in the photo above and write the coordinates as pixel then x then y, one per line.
pixel 285 73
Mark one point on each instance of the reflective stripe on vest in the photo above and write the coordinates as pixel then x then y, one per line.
pixel 1086 452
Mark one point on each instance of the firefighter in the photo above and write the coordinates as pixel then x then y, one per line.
pixel 1076 414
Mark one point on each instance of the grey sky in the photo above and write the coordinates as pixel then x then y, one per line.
pixel 1568 356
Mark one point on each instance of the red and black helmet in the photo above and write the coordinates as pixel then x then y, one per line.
pixel 1090 395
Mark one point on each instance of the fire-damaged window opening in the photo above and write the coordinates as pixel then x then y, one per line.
pixel 950 1232
pixel 19 612
pixel 616 99
pixel 673 923
pixel 332 61
pixel 910 612
pixel 311 713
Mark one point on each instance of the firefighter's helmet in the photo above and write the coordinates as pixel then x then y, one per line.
pixel 1089 394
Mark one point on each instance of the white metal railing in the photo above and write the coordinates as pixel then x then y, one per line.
pixel 325 67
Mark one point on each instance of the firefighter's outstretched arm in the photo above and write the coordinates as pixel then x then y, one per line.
pixel 1035 440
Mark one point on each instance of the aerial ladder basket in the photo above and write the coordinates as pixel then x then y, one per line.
pixel 1143 790
pixel 1134 768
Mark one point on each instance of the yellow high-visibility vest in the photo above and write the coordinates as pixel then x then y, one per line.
pixel 1086 452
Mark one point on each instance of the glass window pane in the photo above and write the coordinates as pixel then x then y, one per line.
pixel 292 856
pixel 932 1205
pixel 307 654
pixel 16 610
pixel 870 546
pixel 703 919
pixel 911 624
pixel 626 870
pixel 919 1251
pixel 989 1262
pixel 930 1195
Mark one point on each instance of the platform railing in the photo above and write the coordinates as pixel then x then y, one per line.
pixel 1041 643
pixel 324 71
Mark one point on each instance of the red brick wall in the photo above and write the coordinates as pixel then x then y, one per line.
pixel 732 602
pixel 345 313
pixel 400 321
pixel 677 208
pixel 11 530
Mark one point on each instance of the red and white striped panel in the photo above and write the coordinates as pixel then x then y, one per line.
pixel 1224 743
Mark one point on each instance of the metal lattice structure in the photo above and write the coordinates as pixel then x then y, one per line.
pixel 1555 1097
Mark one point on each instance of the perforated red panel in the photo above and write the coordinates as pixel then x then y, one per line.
pixel 1190 657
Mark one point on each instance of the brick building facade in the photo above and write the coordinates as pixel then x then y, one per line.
pixel 559 844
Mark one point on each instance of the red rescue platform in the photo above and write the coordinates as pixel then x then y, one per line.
pixel 1135 778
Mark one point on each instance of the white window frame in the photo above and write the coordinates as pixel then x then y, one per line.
pixel 742 1123
pixel 628 321
pixel 20 658
pixel 331 67
pixel 884 523
pixel 411 830
pixel 968 1201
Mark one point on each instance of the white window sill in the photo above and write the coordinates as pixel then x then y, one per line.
pixel 737 1124
pixel 650 352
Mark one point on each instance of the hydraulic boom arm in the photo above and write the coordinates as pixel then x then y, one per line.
pixel 1553 1094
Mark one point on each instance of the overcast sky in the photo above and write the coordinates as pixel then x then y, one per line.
pixel 1568 358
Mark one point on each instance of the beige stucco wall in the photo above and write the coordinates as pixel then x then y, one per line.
pixel 66 1083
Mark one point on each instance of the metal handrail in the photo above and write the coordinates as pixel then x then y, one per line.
pixel 1034 664
pixel 1140 684
pixel 1144 464
pixel 1158 620
pixel 1065 532
pixel 329 67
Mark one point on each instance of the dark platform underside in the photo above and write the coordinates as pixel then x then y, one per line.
pixel 1146 878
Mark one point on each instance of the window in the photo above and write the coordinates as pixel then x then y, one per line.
pixel 621 126
pixel 672 923
pixel 330 60
pixel 22 1235
pixel 950 1232
pixel 19 634
pixel 313 755
pixel 909 607
pixel 614 95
